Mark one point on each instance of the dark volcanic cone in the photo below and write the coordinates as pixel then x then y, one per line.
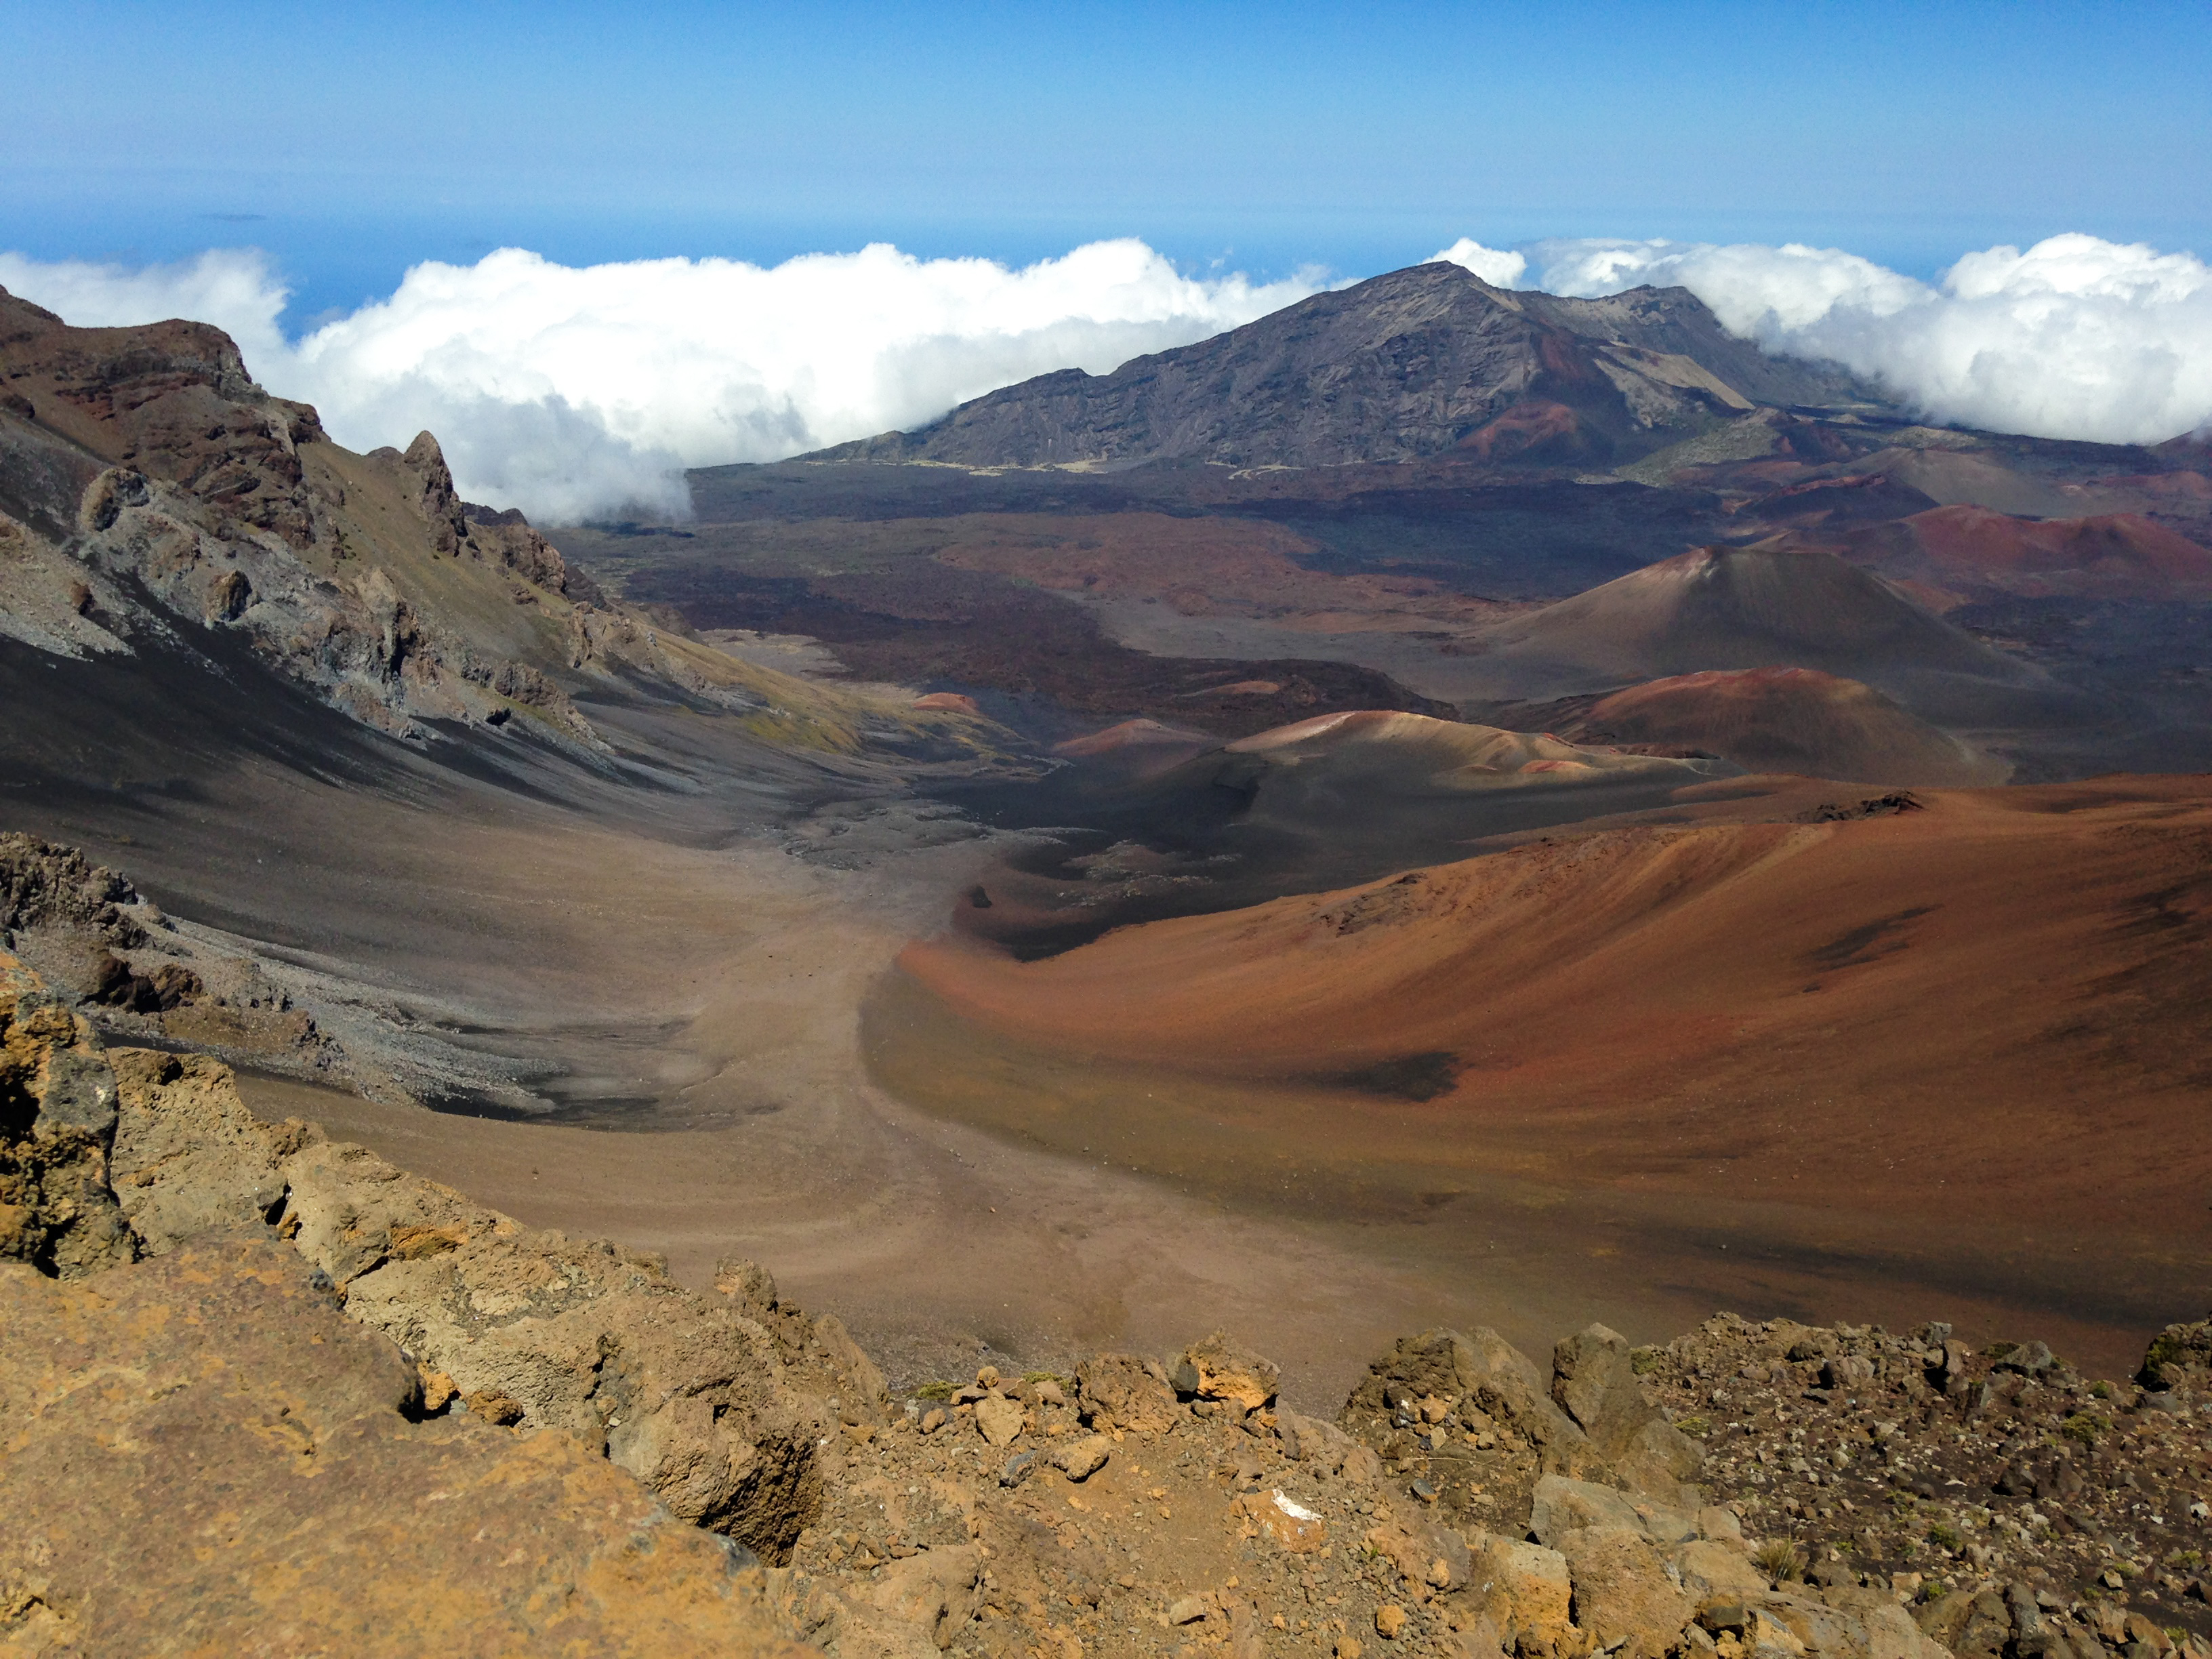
pixel 1426 362
pixel 1771 606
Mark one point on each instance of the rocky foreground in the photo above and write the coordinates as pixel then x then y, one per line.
pixel 264 1393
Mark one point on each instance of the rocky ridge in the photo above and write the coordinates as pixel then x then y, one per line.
pixel 152 495
pixel 1424 362
pixel 521 1424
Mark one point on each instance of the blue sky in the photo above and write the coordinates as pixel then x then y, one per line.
pixel 352 142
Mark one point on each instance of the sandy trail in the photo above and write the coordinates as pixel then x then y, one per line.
pixel 670 967
pixel 931 1240
pixel 732 983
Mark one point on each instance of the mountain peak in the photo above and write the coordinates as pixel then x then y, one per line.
pixel 1424 363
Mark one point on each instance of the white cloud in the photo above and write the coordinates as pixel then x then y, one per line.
pixel 231 288
pixel 2077 338
pixel 572 391
pixel 1496 266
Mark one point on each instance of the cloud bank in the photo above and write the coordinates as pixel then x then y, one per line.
pixel 571 392
pixel 575 393
pixel 2075 338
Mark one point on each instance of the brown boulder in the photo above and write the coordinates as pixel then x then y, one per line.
pixel 1712 1570
pixel 1622 1596
pixel 1486 1371
pixel 2179 1354
pixel 1594 1381
pixel 188 1155
pixel 1120 1391
pixel 1220 1368
pixel 1524 1591
pixel 999 1420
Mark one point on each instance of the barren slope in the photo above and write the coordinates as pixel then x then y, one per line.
pixel 2118 556
pixel 1989 1004
pixel 1410 364
pixel 1770 606
pixel 1787 720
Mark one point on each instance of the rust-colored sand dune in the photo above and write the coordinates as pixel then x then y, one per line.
pixel 2108 555
pixel 1777 604
pixel 1790 719
pixel 1994 1006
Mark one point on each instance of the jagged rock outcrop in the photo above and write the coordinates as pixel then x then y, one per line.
pixel 117 960
pixel 1487 1373
pixel 274 1438
pixel 148 487
pixel 509 537
pixel 58 1119
pixel 201 1453
pixel 1593 1381
pixel 45 884
pixel 526 1328
pixel 2180 1356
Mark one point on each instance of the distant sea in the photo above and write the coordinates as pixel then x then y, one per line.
pixel 337 259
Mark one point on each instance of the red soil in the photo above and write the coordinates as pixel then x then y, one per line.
pixel 1788 720
pixel 1196 566
pixel 2110 556
pixel 2116 554
pixel 1132 734
pixel 1989 1010
pixel 1526 430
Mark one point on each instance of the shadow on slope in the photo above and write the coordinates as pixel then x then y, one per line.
pixel 1147 822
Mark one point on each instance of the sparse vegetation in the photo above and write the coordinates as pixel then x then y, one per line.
pixel 1781 1560
pixel 2086 1426
pixel 934 1391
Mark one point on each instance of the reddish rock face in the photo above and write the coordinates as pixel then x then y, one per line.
pixel 2113 555
pixel 172 400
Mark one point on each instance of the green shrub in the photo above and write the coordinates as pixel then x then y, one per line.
pixel 934 1391
pixel 1943 1535
pixel 2167 1348
pixel 1696 1427
pixel 2085 1427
